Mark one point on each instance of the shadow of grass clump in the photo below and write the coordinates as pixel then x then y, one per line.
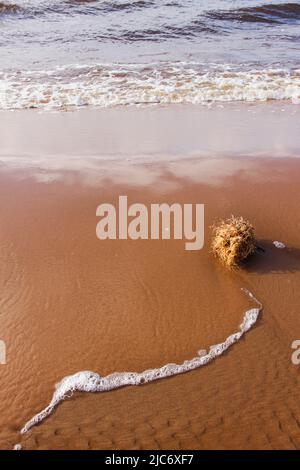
pixel 273 260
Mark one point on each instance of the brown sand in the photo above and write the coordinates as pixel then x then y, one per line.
pixel 70 302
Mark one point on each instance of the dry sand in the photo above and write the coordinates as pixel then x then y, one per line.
pixel 70 302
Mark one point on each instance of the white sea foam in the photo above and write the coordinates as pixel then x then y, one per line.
pixel 131 84
pixel 88 381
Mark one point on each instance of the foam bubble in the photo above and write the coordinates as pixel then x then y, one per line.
pixel 89 381
pixel 107 85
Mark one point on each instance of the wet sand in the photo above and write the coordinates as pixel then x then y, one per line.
pixel 71 302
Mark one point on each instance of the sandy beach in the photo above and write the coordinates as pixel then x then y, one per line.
pixel 70 302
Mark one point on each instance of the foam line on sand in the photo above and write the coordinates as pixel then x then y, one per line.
pixel 88 381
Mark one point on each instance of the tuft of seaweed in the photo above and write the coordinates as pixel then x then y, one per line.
pixel 233 241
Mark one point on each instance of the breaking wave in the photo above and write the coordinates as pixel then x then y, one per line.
pixel 132 84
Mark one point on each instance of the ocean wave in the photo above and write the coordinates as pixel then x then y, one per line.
pixel 123 32
pixel 92 7
pixel 269 13
pixel 88 381
pixel 77 7
pixel 272 13
pixel 126 22
pixel 164 32
pixel 111 6
pixel 133 84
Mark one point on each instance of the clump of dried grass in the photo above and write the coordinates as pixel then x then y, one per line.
pixel 233 241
